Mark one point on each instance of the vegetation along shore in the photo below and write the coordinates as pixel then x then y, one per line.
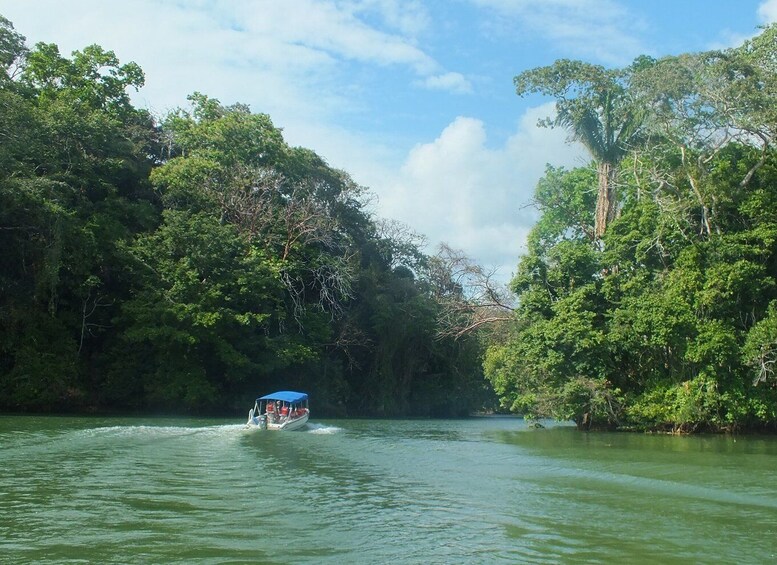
pixel 186 263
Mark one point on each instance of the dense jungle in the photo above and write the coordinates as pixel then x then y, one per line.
pixel 185 263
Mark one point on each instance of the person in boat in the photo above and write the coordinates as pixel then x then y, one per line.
pixel 284 411
pixel 270 411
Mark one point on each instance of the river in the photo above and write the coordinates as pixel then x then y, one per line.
pixel 480 490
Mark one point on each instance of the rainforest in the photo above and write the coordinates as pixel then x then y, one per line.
pixel 185 263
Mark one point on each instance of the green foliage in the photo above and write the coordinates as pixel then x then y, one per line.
pixel 595 106
pixel 669 323
pixel 91 80
pixel 654 331
pixel 760 348
pixel 40 370
pixel 591 102
pixel 229 136
pixel 188 265
pixel 200 311
pixel 12 48
pixel 566 200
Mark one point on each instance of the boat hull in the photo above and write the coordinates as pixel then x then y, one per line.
pixel 290 425
pixel 287 426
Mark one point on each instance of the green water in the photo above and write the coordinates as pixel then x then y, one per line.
pixel 487 490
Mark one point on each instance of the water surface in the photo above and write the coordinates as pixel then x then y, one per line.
pixel 484 490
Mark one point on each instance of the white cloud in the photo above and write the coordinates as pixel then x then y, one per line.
pixel 330 28
pixel 278 56
pixel 452 82
pixel 409 17
pixel 459 190
pixel 767 11
pixel 601 29
pixel 767 14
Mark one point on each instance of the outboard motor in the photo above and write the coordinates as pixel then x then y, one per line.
pixel 263 422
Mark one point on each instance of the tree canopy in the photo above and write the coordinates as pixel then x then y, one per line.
pixel 188 263
pixel 595 105
pixel 669 324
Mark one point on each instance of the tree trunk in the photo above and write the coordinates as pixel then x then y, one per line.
pixel 606 200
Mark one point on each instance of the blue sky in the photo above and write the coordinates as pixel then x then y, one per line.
pixel 413 98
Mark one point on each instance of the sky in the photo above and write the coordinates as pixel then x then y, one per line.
pixel 414 99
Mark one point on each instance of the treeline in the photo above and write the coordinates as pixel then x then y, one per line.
pixel 190 263
pixel 648 297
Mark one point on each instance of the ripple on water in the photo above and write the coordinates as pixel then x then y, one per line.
pixel 481 491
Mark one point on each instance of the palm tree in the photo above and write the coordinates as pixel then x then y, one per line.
pixel 593 104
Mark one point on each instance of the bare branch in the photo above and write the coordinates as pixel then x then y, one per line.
pixel 470 296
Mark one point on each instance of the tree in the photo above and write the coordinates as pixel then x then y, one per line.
pixel 228 161
pixel 185 265
pixel 470 297
pixel 702 104
pixel 12 50
pixel 202 318
pixel 92 80
pixel 396 360
pixel 594 105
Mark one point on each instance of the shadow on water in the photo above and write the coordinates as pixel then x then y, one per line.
pixel 670 499
pixel 752 453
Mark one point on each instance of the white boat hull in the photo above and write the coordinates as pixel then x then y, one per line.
pixel 285 426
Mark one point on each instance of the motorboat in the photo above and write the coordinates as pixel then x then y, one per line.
pixel 285 410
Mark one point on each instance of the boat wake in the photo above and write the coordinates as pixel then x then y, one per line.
pixel 151 431
pixel 322 429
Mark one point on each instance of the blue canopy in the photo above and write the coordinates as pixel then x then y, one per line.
pixel 285 396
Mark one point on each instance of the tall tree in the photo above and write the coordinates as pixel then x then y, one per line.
pixel 74 161
pixel 594 105
pixel 700 104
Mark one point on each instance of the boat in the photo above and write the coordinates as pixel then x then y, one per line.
pixel 285 410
